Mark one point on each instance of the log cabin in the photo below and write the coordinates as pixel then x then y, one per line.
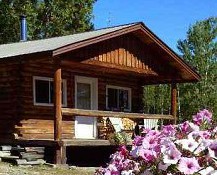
pixel 58 91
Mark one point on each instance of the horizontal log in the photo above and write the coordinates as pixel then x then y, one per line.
pixel 25 162
pixel 35 149
pixel 45 136
pixel 5 148
pixel 97 113
pixel 31 156
pixel 86 142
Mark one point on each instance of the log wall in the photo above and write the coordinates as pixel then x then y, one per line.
pixel 29 121
pixel 9 98
pixel 36 122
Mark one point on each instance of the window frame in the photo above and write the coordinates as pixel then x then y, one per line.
pixel 64 91
pixel 123 88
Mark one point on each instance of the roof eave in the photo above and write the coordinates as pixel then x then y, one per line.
pixel 128 29
pixel 27 56
pixel 94 40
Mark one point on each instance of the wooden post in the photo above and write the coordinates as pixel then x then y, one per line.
pixel 58 104
pixel 174 101
pixel 59 156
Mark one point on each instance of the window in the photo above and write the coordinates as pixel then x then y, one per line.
pixel 118 98
pixel 43 89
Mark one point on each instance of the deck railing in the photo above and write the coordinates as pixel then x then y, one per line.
pixel 98 113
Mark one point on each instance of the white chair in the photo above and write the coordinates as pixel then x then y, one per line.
pixel 117 124
pixel 151 123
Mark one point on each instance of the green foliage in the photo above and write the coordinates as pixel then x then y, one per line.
pixel 156 99
pixel 46 18
pixel 200 50
pixel 119 138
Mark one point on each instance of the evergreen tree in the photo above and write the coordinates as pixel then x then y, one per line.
pixel 46 18
pixel 200 50
pixel 157 99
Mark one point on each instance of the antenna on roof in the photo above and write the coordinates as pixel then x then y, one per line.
pixel 23 28
pixel 109 20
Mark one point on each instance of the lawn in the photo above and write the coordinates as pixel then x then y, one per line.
pixel 8 169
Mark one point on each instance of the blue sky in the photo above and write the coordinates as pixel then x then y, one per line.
pixel 168 19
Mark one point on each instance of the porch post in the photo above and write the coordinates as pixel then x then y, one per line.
pixel 174 101
pixel 58 104
pixel 57 112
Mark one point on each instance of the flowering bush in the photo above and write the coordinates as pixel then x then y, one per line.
pixel 186 148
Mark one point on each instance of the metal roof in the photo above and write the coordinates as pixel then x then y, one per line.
pixel 28 47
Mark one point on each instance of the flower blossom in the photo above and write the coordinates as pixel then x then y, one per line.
pixel 185 127
pixel 188 165
pixel 147 172
pixel 138 141
pixel 163 166
pixel 171 155
pixel 188 144
pixel 213 149
pixel 202 116
pixel 168 130
pixel 147 155
pixel 187 148
pixel 203 145
pixel 208 171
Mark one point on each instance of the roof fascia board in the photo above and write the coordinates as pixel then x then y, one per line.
pixel 170 51
pixel 43 55
pixel 94 40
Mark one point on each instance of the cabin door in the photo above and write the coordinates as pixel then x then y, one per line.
pixel 86 97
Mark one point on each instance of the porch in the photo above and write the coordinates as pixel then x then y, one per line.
pixel 61 144
pixel 72 113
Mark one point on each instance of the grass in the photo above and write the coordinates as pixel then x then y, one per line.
pixel 6 168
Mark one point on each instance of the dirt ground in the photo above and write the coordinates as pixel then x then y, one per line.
pixel 9 169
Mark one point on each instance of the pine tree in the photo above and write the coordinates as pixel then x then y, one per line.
pixel 47 18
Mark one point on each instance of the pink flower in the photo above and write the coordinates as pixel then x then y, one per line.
pixel 153 133
pixel 124 151
pixel 202 116
pixel 171 155
pixel 147 155
pixel 163 166
pixel 205 134
pixel 135 151
pixel 188 144
pixel 147 172
pixel 208 171
pixel 204 144
pixel 150 142
pixel 176 149
pixel 138 141
pixel 185 127
pixel 199 135
pixel 188 165
pixel 168 130
pixel 111 170
pixel 213 149
pixel 145 130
